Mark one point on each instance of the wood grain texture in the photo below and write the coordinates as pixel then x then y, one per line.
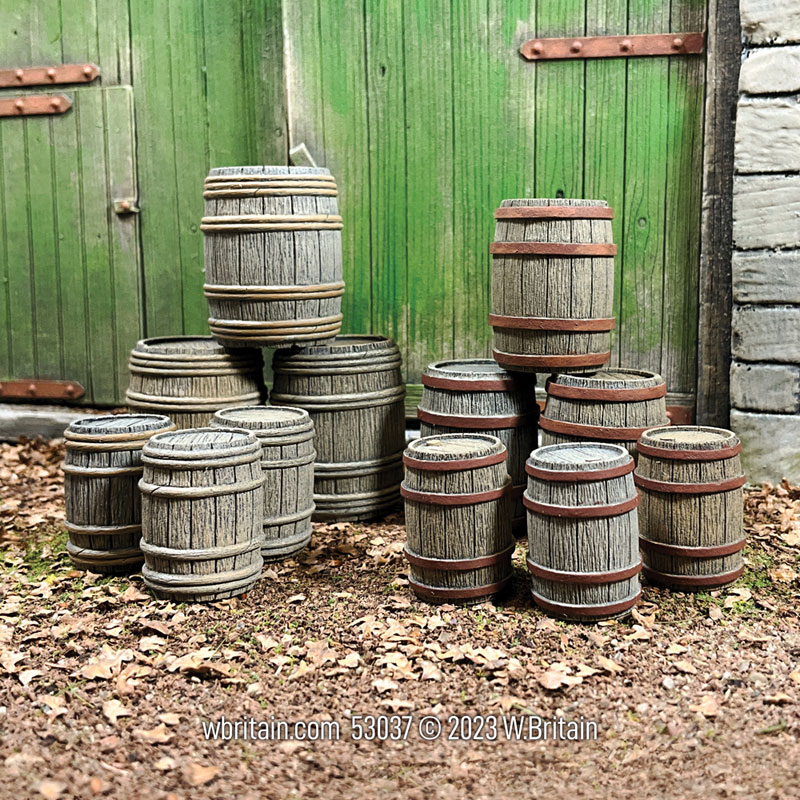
pixel 191 377
pixel 690 520
pixel 202 513
pixel 287 458
pixel 458 532
pixel 353 390
pixel 574 545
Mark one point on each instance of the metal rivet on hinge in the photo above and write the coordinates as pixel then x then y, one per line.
pixel 19 105
pixel 538 48
pixel 625 45
pixel 32 388
pixel 51 73
pixel 69 389
pixel 576 47
pixel 19 74
pixel 56 102
pixel 87 71
pixel 677 43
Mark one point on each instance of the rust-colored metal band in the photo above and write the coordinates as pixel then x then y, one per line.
pixel 443 593
pixel 456 464
pixel 666 487
pixel 554 212
pixel 581 512
pixel 551 323
pixel 555 389
pixel 439 499
pixel 590 431
pixel 458 564
pixel 723 453
pixel 692 552
pixel 583 578
pixel 562 361
pixel 563 249
pixel 586 611
pixel 468 385
pixel 692 580
pixel 579 475
pixel 475 423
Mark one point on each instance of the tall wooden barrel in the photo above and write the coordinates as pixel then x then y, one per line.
pixel 583 549
pixel 611 405
pixel 273 255
pixel 353 389
pixel 191 377
pixel 287 446
pixel 458 521
pixel 552 285
pixel 202 512
pixel 102 466
pixel 479 396
pixel 691 514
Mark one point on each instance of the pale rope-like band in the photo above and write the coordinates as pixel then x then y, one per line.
pixel 271 293
pixel 271 222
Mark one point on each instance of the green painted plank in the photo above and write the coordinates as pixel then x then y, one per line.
pixel 113 41
pixel 6 198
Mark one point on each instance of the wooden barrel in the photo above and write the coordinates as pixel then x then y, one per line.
pixel 102 466
pixel 273 255
pixel 202 511
pixel 611 405
pixel 353 389
pixel 552 285
pixel 583 549
pixel 692 526
pixel 458 517
pixel 287 445
pixel 478 396
pixel 191 377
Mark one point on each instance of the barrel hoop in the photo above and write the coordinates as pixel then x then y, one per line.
pixel 468 384
pixel 458 564
pixel 271 326
pixel 184 404
pixel 202 458
pixel 198 492
pixel 472 422
pixel 267 188
pixel 555 389
pixel 342 402
pixel 204 554
pixel 192 372
pixel 270 222
pixel 712 551
pixel 689 455
pixel 176 581
pixel 323 368
pixel 102 438
pixel 581 512
pixel 456 464
pixel 444 593
pixel 102 530
pixel 693 580
pixel 288 519
pixel 130 555
pixel 551 323
pixel 275 338
pixel 562 361
pixel 287 463
pixel 590 431
pixel 554 212
pixel 295 292
pixel 609 609
pixel 569 249
pixel 468 499
pixel 570 476
pixel 297 177
pixel 207 360
pixel 286 542
pixel 583 578
pixel 710 487
pixel 354 469
pixel 100 472
pixel 110 447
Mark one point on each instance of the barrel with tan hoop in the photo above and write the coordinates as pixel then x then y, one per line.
pixel 691 514
pixel 611 405
pixel 552 285
pixel 478 396
pixel 287 446
pixel 354 391
pixel 458 523
pixel 273 255
pixel 583 551
pixel 202 512
pixel 190 377
pixel 102 466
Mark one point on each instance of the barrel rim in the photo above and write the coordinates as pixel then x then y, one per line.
pixel 570 610
pixel 579 476
pixel 494 445
pixel 243 441
pixel 338 347
pixel 298 419
pixel 74 430
pixel 303 171
pixel 692 581
pixel 537 457
pixel 727 445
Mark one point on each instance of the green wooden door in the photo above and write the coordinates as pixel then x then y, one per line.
pixel 428 117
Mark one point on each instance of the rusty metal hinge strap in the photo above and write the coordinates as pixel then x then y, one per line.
pixel 34 389
pixel 648 44
pixel 45 76
pixel 34 104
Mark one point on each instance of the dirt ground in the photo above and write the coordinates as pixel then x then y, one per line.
pixel 103 690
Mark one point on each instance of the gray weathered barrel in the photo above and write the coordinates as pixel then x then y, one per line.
pixel 478 396
pixel 458 517
pixel 353 389
pixel 552 285
pixel 611 405
pixel 287 442
pixel 691 513
pixel 202 512
pixel 273 255
pixel 583 549
pixel 191 377
pixel 102 466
